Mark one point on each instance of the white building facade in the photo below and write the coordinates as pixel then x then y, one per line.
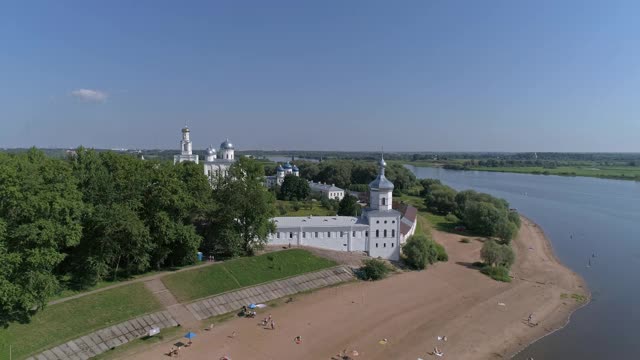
pixel 217 164
pixel 281 172
pixel 377 232
pixel 329 191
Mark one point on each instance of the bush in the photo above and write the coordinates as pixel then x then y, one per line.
pixel 374 269
pixel 494 254
pixel 442 253
pixel 499 273
pixel 418 252
pixel 282 209
pixel 452 218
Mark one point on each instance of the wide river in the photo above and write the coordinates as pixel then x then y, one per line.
pixel 582 217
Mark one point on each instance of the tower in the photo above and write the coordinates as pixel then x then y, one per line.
pixel 279 175
pixel 226 150
pixel 381 189
pixel 296 171
pixel 185 148
pixel 185 143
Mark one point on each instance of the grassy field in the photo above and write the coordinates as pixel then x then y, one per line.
pixel 600 171
pixel 237 273
pixel 74 318
pixel 315 210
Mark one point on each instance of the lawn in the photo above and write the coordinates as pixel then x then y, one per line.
pixel 247 271
pixel 62 322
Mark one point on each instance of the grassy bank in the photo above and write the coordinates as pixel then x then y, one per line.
pixel 237 273
pixel 598 171
pixel 62 322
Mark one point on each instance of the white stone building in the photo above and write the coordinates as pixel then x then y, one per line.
pixel 185 149
pixel 215 166
pixel 216 163
pixel 326 190
pixel 377 232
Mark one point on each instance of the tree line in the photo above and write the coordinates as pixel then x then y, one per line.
pixel 101 215
pixel 345 173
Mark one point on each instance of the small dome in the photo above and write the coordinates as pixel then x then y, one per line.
pixel 287 165
pixel 185 129
pixel 382 162
pixel 211 150
pixel 295 168
pixel 279 168
pixel 226 145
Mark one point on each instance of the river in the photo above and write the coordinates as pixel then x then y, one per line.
pixel 582 217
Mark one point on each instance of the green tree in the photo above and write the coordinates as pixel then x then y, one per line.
pixel 348 206
pixel 40 212
pixel 440 199
pixel 242 222
pixel 483 217
pixel 419 251
pixel 494 254
pixel 505 230
pixel 294 188
pixel 427 184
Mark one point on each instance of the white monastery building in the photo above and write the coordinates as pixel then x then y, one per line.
pixel 328 191
pixel 379 232
pixel 216 163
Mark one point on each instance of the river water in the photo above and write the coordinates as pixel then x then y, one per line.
pixel 582 217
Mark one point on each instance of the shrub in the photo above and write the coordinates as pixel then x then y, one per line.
pixel 442 253
pixel 419 251
pixel 494 254
pixel 374 269
pixel 282 209
pixel 296 206
pixel 499 273
pixel 452 218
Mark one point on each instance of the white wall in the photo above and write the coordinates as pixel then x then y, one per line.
pixel 385 247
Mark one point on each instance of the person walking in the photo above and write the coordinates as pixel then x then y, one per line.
pixel 273 325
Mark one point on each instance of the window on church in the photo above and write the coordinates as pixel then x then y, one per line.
pixel 316 234
pixel 384 201
pixel 376 244
pixel 393 221
pixel 354 234
pixel 278 234
pixel 304 234
pixel 391 244
pixel 341 233
pixel 385 232
pixel 377 221
pixel 385 221
pixel 366 233
pixel 384 245
pixel 393 232
pixel 328 234
pixel 291 235
pixel 377 233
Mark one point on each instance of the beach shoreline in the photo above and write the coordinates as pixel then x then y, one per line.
pixel 482 318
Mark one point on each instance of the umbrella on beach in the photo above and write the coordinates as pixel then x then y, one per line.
pixel 189 335
pixel 252 306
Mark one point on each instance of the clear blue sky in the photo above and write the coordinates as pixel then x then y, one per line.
pixel 324 75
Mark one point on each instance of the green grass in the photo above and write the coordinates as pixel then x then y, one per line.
pixel 315 210
pixel 237 273
pixel 498 273
pixel 62 322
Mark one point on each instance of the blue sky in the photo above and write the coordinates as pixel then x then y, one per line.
pixel 322 75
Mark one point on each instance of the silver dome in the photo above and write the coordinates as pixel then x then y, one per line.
pixel 226 145
pixel 211 150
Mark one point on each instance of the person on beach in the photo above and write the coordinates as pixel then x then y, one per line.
pixel 530 318
pixel 273 325
pixel 269 318
pixel 298 339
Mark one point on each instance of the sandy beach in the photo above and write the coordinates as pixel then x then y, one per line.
pixel 481 318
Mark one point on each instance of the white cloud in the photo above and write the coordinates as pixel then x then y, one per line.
pixel 90 95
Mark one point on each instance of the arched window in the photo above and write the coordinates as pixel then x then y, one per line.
pixel 384 201
pixel 393 233
pixel 385 232
pixel 377 233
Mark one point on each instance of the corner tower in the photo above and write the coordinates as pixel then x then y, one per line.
pixel 381 189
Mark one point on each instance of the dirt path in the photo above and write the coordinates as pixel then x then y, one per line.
pixel 169 302
pixel 482 318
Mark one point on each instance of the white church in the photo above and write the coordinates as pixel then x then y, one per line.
pixel 380 231
pixel 216 163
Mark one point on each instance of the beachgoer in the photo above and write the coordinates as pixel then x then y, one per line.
pixel 273 325
pixel 233 334
pixel 269 318
pixel 298 339
pixel 530 317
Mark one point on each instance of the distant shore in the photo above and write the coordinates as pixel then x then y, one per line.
pixel 482 318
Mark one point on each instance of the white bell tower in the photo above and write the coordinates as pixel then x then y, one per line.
pixel 381 190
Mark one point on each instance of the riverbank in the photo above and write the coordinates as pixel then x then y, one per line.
pixel 482 318
pixel 602 172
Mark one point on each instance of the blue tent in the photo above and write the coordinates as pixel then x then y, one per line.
pixel 252 306
pixel 190 335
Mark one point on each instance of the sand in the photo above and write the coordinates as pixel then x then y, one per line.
pixel 482 318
